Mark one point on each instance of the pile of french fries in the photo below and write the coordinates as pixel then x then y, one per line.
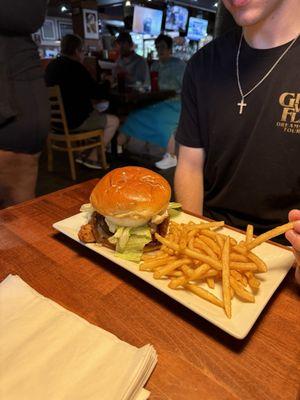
pixel 192 254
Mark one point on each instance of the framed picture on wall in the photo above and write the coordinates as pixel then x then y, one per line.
pixel 48 30
pixel 64 28
pixel 90 23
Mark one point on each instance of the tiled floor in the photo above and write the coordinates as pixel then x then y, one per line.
pixel 60 178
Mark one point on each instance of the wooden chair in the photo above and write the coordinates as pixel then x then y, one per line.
pixel 61 139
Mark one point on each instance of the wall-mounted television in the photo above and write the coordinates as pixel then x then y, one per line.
pixel 147 20
pixel 197 28
pixel 176 18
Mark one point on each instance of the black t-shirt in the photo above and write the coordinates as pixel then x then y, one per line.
pixel 252 164
pixel 77 88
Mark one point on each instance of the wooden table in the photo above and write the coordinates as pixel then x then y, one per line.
pixel 196 360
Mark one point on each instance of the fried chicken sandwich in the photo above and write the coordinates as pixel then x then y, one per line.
pixel 128 205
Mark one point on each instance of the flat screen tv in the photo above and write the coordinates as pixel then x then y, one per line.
pixel 197 28
pixel 147 20
pixel 176 18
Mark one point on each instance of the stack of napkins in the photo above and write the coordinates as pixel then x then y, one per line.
pixel 47 352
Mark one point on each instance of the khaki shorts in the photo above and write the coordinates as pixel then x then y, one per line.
pixel 93 122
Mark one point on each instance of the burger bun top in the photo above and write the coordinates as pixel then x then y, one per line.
pixel 131 196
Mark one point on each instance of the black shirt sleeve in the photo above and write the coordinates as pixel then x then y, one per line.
pixel 22 17
pixel 189 132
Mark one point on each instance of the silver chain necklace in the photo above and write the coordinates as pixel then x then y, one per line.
pixel 242 103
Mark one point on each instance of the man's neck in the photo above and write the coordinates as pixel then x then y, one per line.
pixel 282 26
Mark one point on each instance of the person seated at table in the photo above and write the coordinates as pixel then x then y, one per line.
pixel 157 123
pixel 78 89
pixel 130 66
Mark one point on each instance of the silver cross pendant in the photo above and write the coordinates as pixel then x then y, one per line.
pixel 242 104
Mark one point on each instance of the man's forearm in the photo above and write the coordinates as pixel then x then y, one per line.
pixel 189 190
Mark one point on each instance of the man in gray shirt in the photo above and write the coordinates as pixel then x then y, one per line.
pixel 133 67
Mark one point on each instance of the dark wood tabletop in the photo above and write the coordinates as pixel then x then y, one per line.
pixel 196 360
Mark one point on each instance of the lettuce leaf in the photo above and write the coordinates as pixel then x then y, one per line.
pixel 174 205
pixel 173 209
pixel 130 242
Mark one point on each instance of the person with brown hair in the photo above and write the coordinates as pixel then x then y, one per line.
pixel 133 67
pixel 24 108
pixel 78 89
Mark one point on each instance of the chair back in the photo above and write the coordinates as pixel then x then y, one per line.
pixel 58 116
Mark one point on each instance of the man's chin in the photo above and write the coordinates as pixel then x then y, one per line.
pixel 244 20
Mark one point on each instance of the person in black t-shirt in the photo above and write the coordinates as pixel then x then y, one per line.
pixel 239 131
pixel 78 89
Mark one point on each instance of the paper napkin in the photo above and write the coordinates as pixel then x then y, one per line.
pixel 48 352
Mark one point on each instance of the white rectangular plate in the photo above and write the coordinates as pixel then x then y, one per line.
pixel 244 315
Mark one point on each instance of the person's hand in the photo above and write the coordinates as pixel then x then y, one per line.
pixel 293 236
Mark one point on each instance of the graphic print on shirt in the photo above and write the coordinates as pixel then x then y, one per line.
pixel 290 117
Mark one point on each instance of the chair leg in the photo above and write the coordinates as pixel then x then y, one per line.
pixel 101 151
pixel 72 164
pixel 50 155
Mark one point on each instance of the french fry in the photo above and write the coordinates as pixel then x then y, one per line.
pixel 212 273
pixel 182 244
pixel 191 234
pixel 208 225
pixel 171 267
pixel 238 257
pixel 279 230
pixel 193 254
pixel 241 249
pixel 204 294
pixel 239 277
pixel 191 243
pixel 249 234
pixel 211 243
pixel 187 270
pixel 153 254
pixel 226 279
pixel 241 266
pixel 253 282
pixel 261 265
pixel 176 273
pixel 236 274
pixel 197 274
pixel 220 241
pixel 210 283
pixel 199 244
pixel 177 282
pixel 233 242
pixel 158 262
pixel 241 291
pixel 212 234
